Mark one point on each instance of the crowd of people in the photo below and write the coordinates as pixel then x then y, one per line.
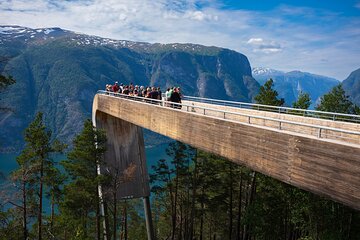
pixel 172 95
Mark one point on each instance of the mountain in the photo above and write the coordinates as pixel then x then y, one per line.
pixel 262 72
pixel 351 86
pixel 59 71
pixel 289 84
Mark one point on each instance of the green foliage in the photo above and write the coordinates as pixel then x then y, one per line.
pixel 336 101
pixel 135 222
pixel 268 96
pixel 59 77
pixel 10 224
pixel 81 199
pixel 357 110
pixel 171 183
pixel 37 138
pixel 35 176
pixel 287 84
pixel 89 147
pixel 196 195
pixel 303 101
pixel 214 198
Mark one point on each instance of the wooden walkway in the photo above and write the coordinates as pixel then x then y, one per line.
pixel 318 155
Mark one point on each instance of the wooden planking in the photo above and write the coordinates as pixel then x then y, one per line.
pixel 324 167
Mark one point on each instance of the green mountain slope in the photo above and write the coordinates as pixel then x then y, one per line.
pixel 58 72
pixel 352 86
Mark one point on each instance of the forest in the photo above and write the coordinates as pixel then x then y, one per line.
pixel 196 195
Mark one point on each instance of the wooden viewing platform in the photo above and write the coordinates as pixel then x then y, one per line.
pixel 314 154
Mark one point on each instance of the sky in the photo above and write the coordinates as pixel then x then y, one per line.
pixel 316 36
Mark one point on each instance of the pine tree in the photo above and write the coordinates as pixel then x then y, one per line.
pixel 232 199
pixel 38 148
pixel 303 101
pixel 357 110
pixel 336 101
pixel 24 182
pixel 162 187
pixel 173 185
pixel 268 96
pixel 81 197
pixel 33 175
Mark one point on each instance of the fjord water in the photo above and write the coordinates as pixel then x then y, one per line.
pixel 8 164
pixel 153 154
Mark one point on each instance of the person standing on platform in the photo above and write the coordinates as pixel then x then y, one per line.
pixel 115 87
pixel 175 98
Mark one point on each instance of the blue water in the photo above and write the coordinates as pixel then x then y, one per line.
pixel 153 154
pixel 8 164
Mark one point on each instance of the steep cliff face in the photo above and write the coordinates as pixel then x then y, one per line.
pixel 352 86
pixel 290 84
pixel 58 72
pixel 226 75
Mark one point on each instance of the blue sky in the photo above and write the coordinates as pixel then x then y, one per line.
pixel 318 36
pixel 346 6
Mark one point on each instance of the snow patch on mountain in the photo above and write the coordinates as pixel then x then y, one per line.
pixel 9 33
pixel 28 36
pixel 11 29
pixel 256 71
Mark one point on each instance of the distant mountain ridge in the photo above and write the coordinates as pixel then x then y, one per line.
pixel 41 35
pixel 263 71
pixel 352 86
pixel 59 71
pixel 290 84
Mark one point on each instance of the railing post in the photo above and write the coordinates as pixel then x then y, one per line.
pixel 204 111
pixel 224 115
pixel 280 125
pixel 319 133
pixel 249 120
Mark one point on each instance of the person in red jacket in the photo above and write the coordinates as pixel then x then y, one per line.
pixel 115 87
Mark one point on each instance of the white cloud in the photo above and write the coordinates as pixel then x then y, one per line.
pixel 259 45
pixel 199 16
pixel 301 38
pixel 23 5
pixel 255 41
